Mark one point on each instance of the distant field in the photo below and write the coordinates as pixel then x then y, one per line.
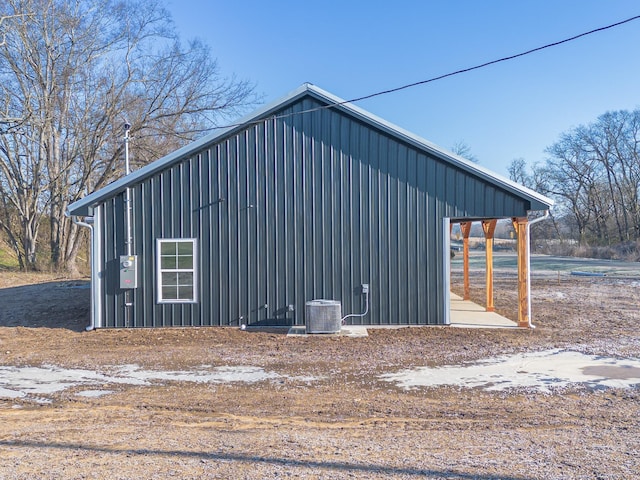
pixel 546 264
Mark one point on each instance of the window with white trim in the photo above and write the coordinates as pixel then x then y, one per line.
pixel 176 267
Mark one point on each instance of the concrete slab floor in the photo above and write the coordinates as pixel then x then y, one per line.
pixel 466 314
pixel 345 331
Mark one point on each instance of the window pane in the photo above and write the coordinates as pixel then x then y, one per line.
pixel 184 248
pixel 167 248
pixel 185 262
pixel 169 279
pixel 169 293
pixel 185 293
pixel 167 263
pixel 185 278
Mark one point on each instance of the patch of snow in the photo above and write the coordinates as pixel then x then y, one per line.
pixel 30 382
pixel 540 371
pixel 94 393
pixel 10 393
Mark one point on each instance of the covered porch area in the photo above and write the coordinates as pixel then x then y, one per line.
pixel 466 314
pixel 463 312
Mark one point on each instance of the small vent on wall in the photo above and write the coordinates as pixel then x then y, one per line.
pixel 323 316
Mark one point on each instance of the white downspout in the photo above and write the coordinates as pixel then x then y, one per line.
pixel 528 261
pixel 94 315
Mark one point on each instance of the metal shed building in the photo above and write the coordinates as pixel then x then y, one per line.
pixel 307 198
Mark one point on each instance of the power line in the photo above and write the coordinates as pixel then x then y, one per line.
pixel 493 62
pixel 446 75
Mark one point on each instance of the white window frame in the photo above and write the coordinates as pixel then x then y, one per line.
pixel 193 270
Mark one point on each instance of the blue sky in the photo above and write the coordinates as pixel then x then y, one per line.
pixel 354 48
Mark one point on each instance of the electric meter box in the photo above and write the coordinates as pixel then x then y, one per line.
pixel 128 271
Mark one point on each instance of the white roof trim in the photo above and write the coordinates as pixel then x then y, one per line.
pixel 263 112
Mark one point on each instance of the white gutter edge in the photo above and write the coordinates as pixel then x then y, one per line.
pixel 528 261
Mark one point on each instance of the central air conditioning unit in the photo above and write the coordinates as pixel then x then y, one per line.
pixel 323 316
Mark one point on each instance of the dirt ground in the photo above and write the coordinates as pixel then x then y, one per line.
pixel 346 423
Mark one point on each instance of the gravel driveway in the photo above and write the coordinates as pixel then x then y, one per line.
pixel 324 409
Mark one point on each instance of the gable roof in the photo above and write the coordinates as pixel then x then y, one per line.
pixel 84 205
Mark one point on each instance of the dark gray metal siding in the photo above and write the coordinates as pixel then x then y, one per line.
pixel 303 207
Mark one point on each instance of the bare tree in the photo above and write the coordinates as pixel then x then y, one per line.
pixel 23 192
pixel 518 172
pixel 595 172
pixel 462 149
pixel 571 178
pixel 72 73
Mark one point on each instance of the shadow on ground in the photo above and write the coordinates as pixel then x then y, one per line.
pixel 352 468
pixel 48 305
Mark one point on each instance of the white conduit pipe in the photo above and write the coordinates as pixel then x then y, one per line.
pixel 366 299
pixel 528 261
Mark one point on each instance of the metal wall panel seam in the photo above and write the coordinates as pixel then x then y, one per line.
pixel 196 232
pixel 345 217
pixel 250 304
pixel 434 192
pixel 325 188
pixel 204 235
pixel 271 212
pixel 374 206
pixel 244 212
pixel 254 260
pixel 236 215
pixel 286 195
pixel 261 215
pixel 138 239
pixel 390 217
pixel 147 209
pixel 305 266
pixel 107 242
pixel 308 208
pixel 276 186
pixel 363 206
pixel 401 287
pixel 384 245
pixel 334 214
pixel 226 238
pixel 117 249
pixel 354 210
pixel 269 245
pixel 294 199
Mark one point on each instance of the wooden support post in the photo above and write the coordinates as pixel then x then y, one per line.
pixel 489 228
pixel 465 228
pixel 520 226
